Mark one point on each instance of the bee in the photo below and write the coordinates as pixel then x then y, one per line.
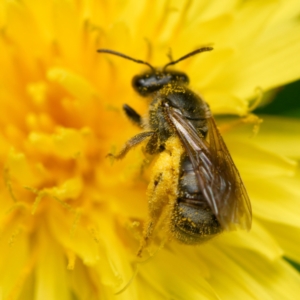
pixel 195 189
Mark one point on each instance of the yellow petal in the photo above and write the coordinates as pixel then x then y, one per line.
pixel 229 278
pixel 269 163
pixel 66 143
pixel 271 277
pixel 288 237
pixel 73 83
pixel 15 267
pixel 70 189
pixel 65 227
pixel 275 129
pixel 272 200
pixel 158 275
pixel 265 144
pixel 51 271
pixel 279 66
pixel 258 240
pixel 20 169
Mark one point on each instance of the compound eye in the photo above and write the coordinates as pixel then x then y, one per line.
pixel 137 82
pixel 141 84
pixel 184 78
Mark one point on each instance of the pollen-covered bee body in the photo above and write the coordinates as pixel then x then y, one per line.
pixel 162 191
pixel 195 190
pixel 193 220
pixel 177 96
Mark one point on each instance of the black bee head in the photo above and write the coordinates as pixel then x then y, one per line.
pixel 152 81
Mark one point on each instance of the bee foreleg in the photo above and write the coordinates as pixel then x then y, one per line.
pixel 133 116
pixel 134 141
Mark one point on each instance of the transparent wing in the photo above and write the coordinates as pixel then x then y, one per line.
pixel 217 175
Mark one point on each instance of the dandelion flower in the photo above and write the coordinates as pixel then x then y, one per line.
pixel 69 219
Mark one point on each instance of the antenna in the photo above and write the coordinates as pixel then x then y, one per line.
pixel 203 49
pixel 126 57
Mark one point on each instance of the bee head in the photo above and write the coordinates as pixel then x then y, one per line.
pixel 152 81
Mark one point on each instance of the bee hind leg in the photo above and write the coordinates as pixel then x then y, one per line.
pixel 146 236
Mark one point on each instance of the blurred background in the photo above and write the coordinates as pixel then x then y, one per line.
pixel 285 103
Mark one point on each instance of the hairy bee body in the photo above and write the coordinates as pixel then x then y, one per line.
pixel 191 105
pixel 195 189
pixel 174 95
pixel 193 221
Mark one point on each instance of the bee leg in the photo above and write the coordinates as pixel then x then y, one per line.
pixel 137 139
pixel 147 235
pixel 133 116
pixel 152 145
pixel 157 200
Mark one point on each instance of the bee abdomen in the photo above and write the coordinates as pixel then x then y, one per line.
pixel 192 225
pixel 193 220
